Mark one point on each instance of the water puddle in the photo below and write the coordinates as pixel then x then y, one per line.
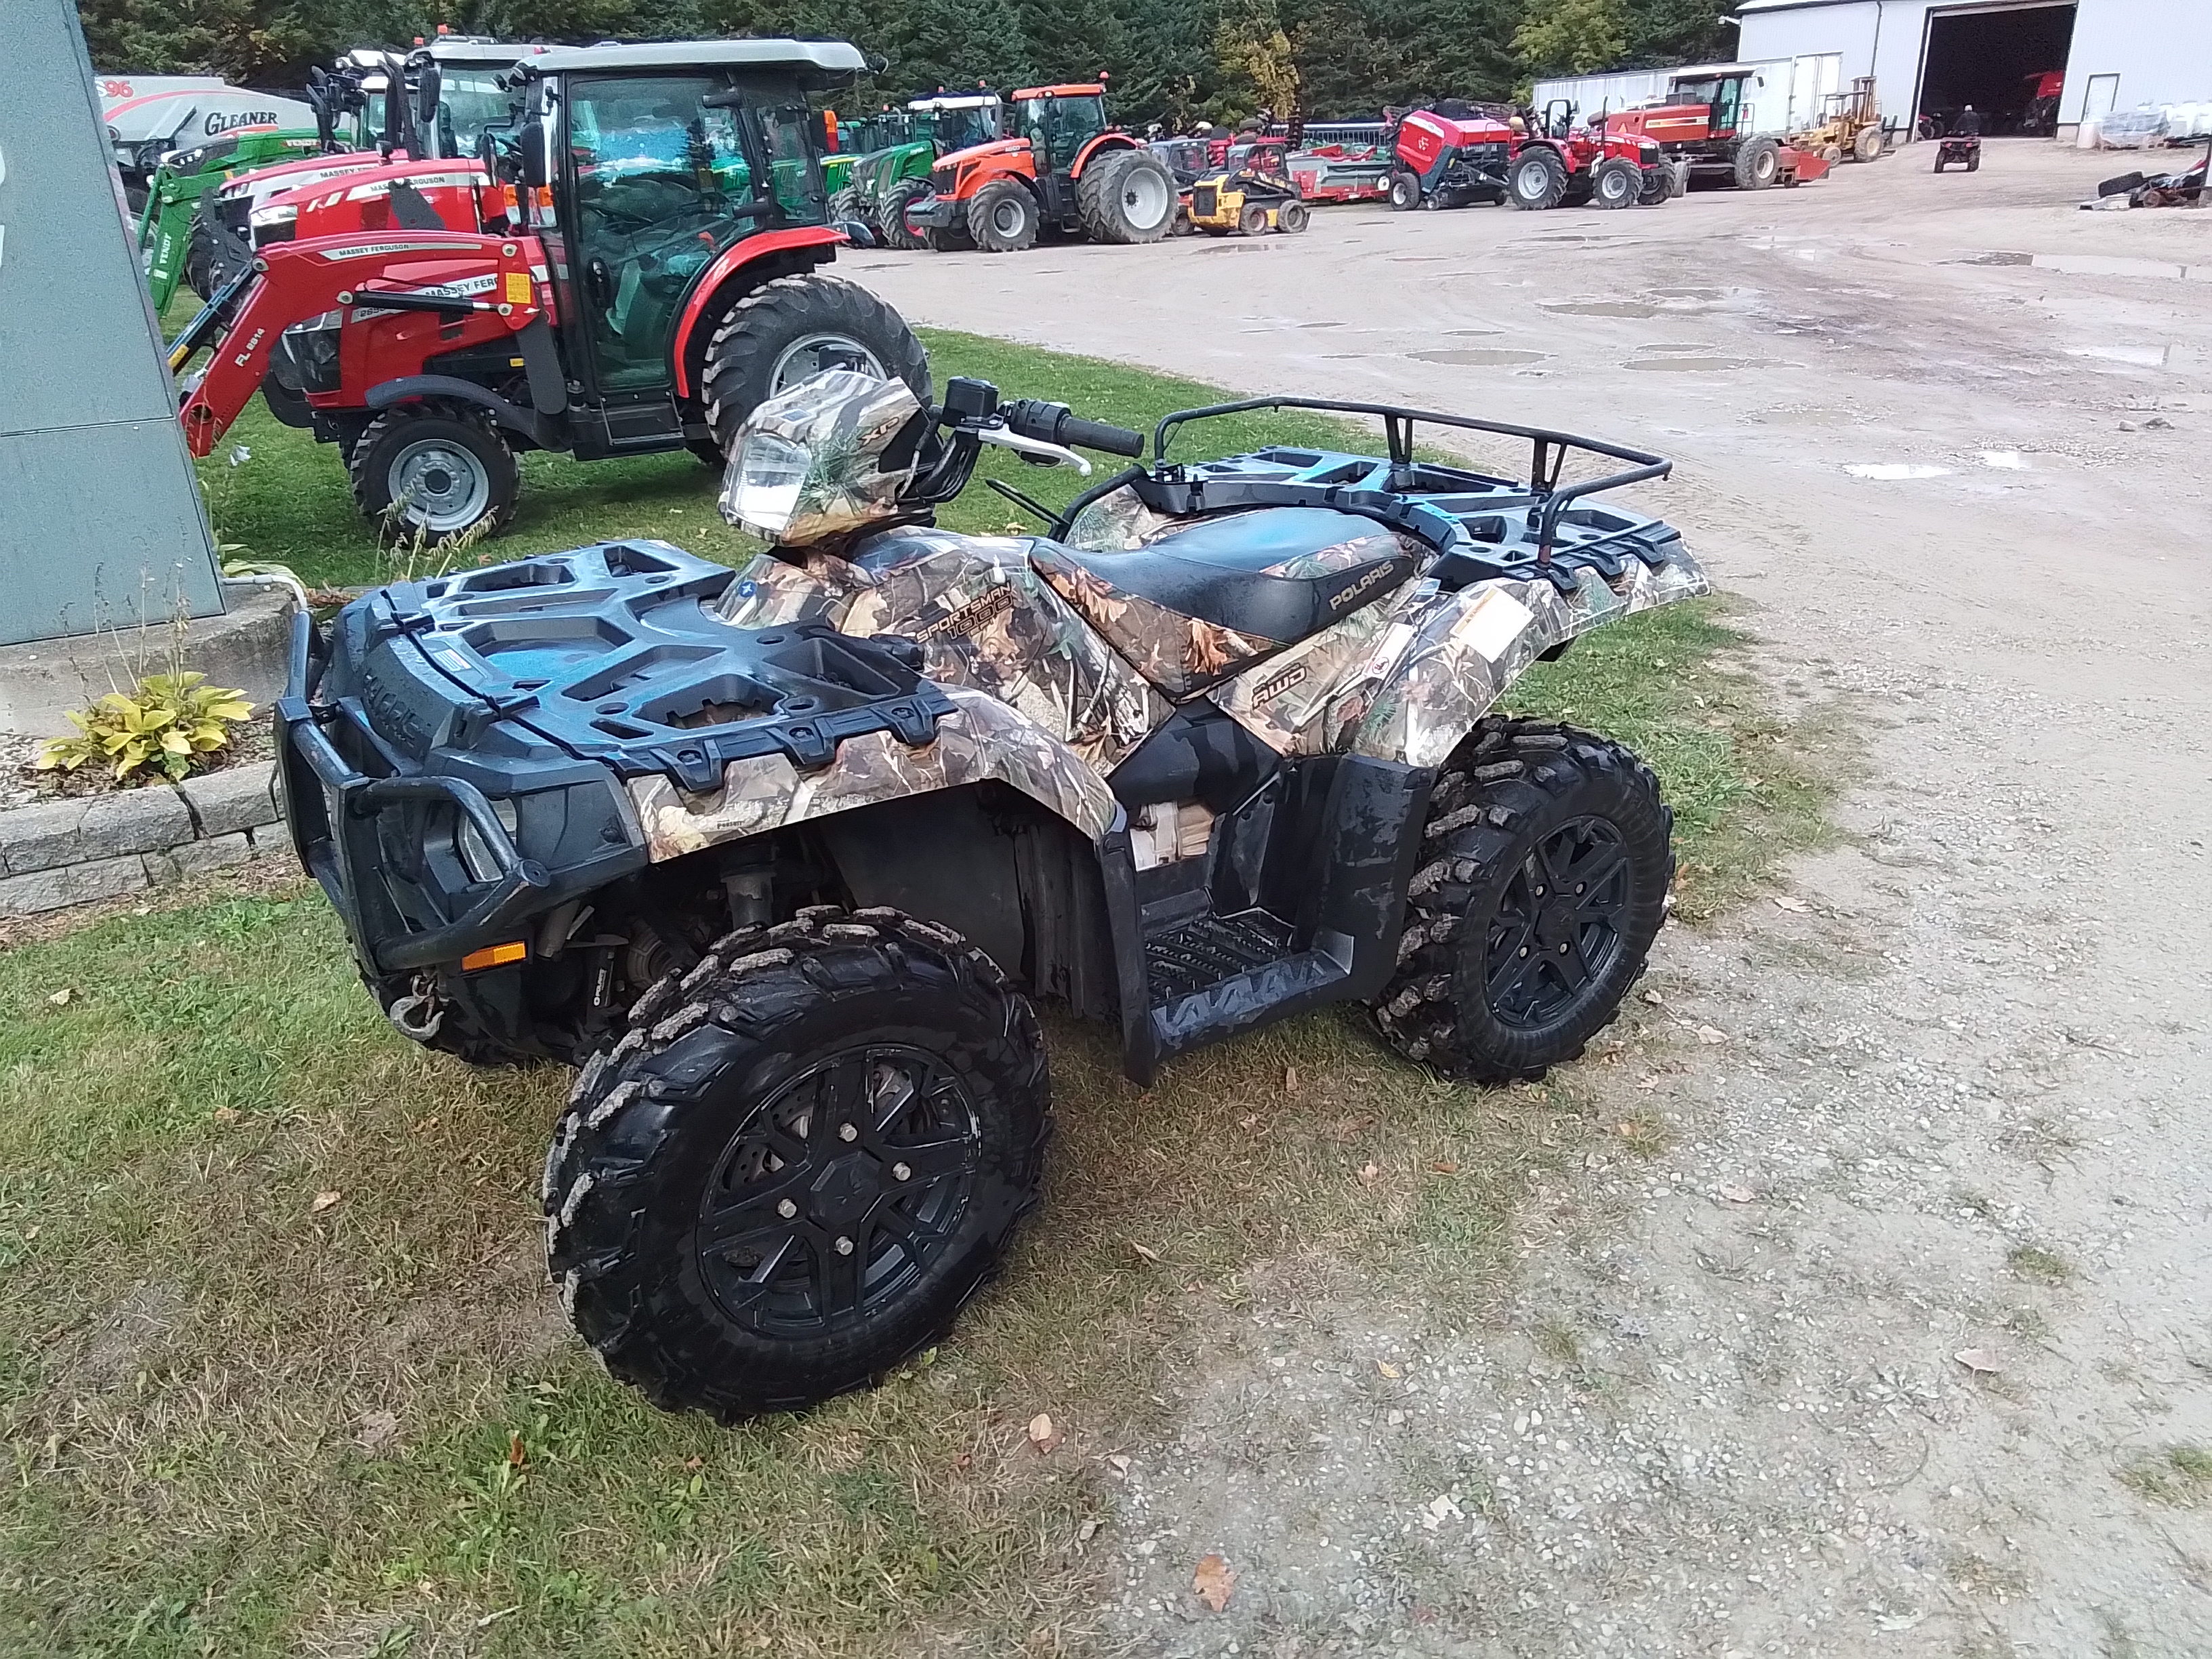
pixel 1456 333
pixel 1891 471
pixel 1419 258
pixel 1599 308
pixel 1480 358
pixel 2092 265
pixel 1688 293
pixel 2005 460
pixel 1695 365
pixel 1321 324
pixel 1678 345
pixel 2134 356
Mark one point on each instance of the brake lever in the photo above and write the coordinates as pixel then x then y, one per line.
pixel 1031 448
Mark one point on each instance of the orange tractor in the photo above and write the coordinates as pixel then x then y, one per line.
pixel 1061 167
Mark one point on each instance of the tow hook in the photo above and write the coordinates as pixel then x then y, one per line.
pixel 419 1013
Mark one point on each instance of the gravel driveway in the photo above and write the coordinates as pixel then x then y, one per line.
pixel 1889 1351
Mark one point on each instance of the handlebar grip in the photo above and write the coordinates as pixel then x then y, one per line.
pixel 1053 423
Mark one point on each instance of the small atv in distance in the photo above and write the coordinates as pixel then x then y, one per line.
pixel 1956 150
pixel 782 856
pixel 666 283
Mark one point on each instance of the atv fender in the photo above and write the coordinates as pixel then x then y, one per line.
pixel 816 244
pixel 981 741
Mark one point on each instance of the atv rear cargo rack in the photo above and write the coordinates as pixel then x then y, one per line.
pixel 1457 512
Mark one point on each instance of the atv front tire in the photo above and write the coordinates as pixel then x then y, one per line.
pixel 1127 198
pixel 434 470
pixel 1003 218
pixel 891 214
pixel 1538 180
pixel 1547 858
pixel 785 330
pixel 799 1164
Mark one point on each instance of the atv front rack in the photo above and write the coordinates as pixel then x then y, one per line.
pixel 1452 509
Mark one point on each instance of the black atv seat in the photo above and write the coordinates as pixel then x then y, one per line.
pixel 1229 570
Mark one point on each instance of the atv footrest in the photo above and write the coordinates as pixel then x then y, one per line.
pixel 1221 975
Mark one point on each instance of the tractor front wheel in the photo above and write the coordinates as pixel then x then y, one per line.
pixel 434 471
pixel 849 203
pixel 793 328
pixel 1127 198
pixel 1538 180
pixel 1616 183
pixel 1002 217
pixel 1404 192
pixel 799 1164
pixel 890 213
pixel 1547 858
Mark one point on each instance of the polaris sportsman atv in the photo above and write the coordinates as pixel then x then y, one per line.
pixel 782 856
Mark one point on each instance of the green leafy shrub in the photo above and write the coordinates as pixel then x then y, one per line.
pixel 169 724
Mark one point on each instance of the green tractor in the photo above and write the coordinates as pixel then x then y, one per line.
pixel 884 184
pixel 858 137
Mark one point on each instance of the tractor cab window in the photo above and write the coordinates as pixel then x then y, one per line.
pixel 962 129
pixel 1060 127
pixel 469 100
pixel 663 182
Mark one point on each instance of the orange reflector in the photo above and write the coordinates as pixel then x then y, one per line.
pixel 495 955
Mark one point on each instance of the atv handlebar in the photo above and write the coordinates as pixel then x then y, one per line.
pixel 1055 423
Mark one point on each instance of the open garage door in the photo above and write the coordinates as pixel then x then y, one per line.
pixel 1997 58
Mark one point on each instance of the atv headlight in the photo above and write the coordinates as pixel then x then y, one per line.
pixel 762 491
pixel 476 852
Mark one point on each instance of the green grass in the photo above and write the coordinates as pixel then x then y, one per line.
pixel 198 1363
pixel 2179 1474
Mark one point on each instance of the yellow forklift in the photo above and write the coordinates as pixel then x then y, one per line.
pixel 1850 125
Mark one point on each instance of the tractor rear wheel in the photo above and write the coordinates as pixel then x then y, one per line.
pixel 1003 218
pixel 1546 857
pixel 1292 217
pixel 436 470
pixel 1404 192
pixel 849 203
pixel 800 1164
pixel 793 328
pixel 1868 145
pixel 1758 164
pixel 1616 183
pixel 1538 180
pixel 1128 198
pixel 890 213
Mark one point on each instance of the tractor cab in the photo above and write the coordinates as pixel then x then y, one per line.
pixel 954 121
pixel 1059 123
pixel 1724 98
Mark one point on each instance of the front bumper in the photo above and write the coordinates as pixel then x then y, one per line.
pixel 937 213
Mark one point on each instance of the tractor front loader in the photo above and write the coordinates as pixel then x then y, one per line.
pixel 666 283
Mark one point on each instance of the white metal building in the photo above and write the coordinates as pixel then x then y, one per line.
pixel 1931 55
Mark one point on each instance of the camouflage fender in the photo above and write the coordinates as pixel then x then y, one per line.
pixel 983 741
pixel 1407 677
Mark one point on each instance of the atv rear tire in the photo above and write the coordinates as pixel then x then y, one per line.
pixel 1503 971
pixel 434 470
pixel 796 326
pixel 1003 218
pixel 1538 180
pixel 1616 182
pixel 799 1164
pixel 1404 192
pixel 1758 164
pixel 1128 199
pixel 890 220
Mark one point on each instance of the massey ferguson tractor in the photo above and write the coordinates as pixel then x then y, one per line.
pixel 666 282
pixel 1709 123
pixel 1561 161
pixel 1063 166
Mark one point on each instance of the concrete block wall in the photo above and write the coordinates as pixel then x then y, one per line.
pixel 59 853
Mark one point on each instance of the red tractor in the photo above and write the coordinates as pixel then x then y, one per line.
pixel 1064 167
pixel 1561 161
pixel 666 282
pixel 1709 123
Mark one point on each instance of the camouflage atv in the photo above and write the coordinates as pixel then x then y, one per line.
pixel 781 857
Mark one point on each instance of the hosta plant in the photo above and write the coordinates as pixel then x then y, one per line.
pixel 169 724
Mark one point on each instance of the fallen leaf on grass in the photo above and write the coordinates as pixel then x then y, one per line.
pixel 1083 1534
pixel 1250 1120
pixel 324 1201
pixel 1043 1434
pixel 1655 998
pixel 1367 1171
pixel 1783 901
pixel 516 1456
pixel 377 1431
pixel 1213 1581
pixel 61 998
pixel 1119 1464
pixel 1711 1034
pixel 1290 1080
pixel 226 1114
pixel 1736 1194
pixel 1149 1254
pixel 1445 1166
pixel 1980 1361
pixel 1388 1370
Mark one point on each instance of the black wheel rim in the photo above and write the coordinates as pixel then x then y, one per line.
pixel 841 1193
pixel 1557 928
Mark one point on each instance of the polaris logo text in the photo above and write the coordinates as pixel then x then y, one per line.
pixel 1344 596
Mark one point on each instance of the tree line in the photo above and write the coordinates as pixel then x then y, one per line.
pixel 1172 61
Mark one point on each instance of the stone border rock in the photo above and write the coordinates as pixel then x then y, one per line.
pixel 80 847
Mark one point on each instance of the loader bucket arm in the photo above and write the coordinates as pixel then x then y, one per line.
pixel 291 282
